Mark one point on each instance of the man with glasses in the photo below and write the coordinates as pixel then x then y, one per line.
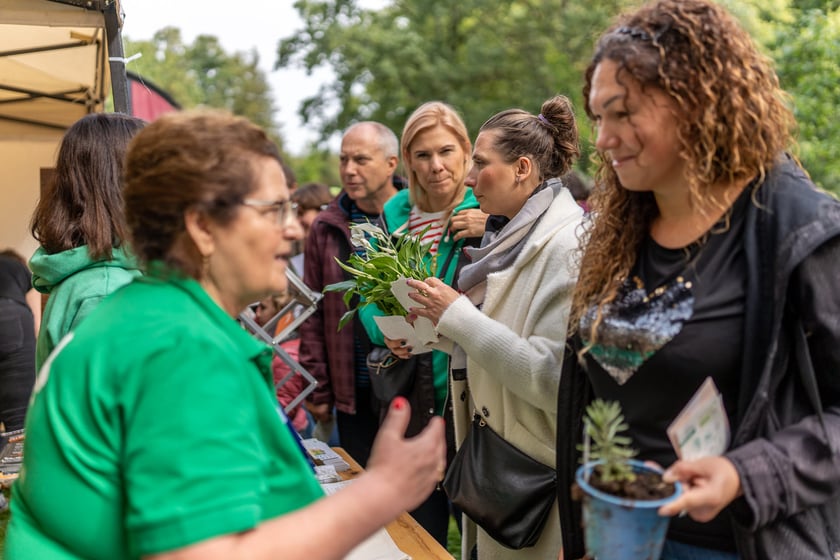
pixel 336 358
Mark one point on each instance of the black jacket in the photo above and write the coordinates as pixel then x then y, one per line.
pixel 787 455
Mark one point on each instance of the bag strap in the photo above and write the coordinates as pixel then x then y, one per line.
pixel 809 378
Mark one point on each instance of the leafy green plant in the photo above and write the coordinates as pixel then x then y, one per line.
pixel 603 442
pixel 383 261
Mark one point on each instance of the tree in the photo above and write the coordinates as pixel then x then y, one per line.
pixel 808 57
pixel 486 55
pixel 316 164
pixel 481 56
pixel 203 74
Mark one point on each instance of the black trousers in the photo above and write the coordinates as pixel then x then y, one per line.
pixel 356 432
pixel 17 362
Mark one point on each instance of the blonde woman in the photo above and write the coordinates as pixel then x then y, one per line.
pixel 438 205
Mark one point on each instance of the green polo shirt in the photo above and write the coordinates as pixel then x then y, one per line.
pixel 154 427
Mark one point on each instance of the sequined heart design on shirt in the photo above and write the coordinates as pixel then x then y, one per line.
pixel 637 324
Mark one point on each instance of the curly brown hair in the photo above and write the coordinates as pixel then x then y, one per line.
pixel 733 123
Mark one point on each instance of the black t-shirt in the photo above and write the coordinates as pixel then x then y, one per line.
pixel 15 279
pixel 678 320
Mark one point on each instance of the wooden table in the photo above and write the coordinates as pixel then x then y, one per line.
pixel 408 535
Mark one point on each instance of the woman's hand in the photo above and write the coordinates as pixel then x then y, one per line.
pixel 434 295
pixel 468 223
pixel 412 467
pixel 709 485
pixel 398 347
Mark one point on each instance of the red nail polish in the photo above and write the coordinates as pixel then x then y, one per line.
pixel 399 403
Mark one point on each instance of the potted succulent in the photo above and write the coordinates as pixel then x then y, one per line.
pixel 620 495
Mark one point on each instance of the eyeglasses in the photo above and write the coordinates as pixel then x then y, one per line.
pixel 282 210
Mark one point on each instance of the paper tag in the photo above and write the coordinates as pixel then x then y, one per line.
pixel 701 429
pixel 419 336
pixel 401 289
pixel 396 328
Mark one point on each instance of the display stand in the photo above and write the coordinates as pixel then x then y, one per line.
pixel 303 304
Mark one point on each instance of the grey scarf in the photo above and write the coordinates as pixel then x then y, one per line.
pixel 499 248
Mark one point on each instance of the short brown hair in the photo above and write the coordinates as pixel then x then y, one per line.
pixel 312 196
pixel 201 160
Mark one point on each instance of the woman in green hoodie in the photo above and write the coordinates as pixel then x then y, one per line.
pixel 436 153
pixel 80 225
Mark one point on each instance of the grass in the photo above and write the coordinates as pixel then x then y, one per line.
pixel 4 519
pixel 453 539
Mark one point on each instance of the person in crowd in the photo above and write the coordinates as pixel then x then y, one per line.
pixel 512 315
pixel 337 358
pixel 579 188
pixel 17 339
pixel 711 255
pixel 264 315
pixel 132 425
pixel 311 199
pixel 80 225
pixel 435 148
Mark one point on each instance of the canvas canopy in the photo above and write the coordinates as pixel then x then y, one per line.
pixel 55 67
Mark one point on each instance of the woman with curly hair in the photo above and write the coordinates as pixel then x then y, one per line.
pixel 710 254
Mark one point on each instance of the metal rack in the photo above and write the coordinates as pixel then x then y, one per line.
pixel 304 302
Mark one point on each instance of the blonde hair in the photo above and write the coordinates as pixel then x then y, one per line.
pixel 425 117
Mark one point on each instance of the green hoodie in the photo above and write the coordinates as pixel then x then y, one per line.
pixel 76 284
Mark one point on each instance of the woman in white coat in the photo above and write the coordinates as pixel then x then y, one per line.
pixel 511 313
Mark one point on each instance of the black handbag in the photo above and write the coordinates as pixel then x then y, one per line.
pixel 390 376
pixel 503 490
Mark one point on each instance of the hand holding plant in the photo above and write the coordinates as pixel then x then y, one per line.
pixel 383 261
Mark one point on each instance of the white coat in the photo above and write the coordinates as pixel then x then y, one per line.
pixel 514 348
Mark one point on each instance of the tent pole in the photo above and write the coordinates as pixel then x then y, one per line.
pixel 116 54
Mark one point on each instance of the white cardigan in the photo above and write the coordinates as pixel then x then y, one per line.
pixel 514 348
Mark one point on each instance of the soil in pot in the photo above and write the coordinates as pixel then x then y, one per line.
pixel 646 486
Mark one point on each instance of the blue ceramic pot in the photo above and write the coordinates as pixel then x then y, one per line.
pixel 620 528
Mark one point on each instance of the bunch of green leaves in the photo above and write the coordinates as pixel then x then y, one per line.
pixel 604 424
pixel 382 261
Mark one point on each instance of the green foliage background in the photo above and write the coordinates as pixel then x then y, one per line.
pixel 481 56
pixel 486 55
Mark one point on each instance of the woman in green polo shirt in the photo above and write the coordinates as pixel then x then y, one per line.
pixel 154 432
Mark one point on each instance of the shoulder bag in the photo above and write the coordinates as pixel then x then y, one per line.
pixel 503 490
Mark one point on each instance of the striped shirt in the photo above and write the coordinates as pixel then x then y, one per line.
pixel 419 221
